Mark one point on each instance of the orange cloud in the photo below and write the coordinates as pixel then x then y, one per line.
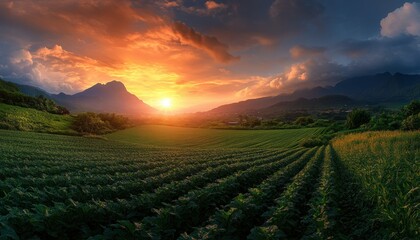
pixel 306 74
pixel 81 46
pixel 211 5
pixel 301 51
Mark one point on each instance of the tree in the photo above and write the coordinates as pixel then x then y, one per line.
pixel 356 118
pixel 412 108
pixel 89 123
pixel 411 122
pixel 303 121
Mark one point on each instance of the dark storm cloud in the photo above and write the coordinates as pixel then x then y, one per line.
pixel 401 54
pixel 210 44
pixel 248 22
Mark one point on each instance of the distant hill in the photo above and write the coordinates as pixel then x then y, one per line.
pixel 11 94
pixel 111 97
pixel 32 91
pixel 325 102
pixel 379 88
pixel 8 87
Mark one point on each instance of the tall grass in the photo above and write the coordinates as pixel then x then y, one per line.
pixel 387 166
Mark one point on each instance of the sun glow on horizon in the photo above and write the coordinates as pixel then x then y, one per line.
pixel 166 103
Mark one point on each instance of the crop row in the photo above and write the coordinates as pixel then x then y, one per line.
pixel 233 220
pixel 71 216
pixel 117 189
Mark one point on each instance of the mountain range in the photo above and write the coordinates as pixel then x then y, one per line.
pixel 111 97
pixel 358 91
pixel 379 88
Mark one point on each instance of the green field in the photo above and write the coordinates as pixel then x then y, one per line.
pixel 212 138
pixel 29 119
pixel 159 182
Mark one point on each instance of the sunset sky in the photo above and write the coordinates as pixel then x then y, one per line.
pixel 201 54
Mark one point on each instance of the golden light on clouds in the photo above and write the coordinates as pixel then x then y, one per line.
pixel 150 82
pixel 196 53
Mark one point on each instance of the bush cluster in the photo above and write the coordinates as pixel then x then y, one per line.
pixel 93 123
pixel 357 118
pixel 316 141
pixel 412 114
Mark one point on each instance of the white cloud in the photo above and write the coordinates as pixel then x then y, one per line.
pixel 403 20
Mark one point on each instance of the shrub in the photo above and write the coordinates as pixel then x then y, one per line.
pixel 92 123
pixel 411 123
pixel 303 121
pixel 412 108
pixel 316 141
pixel 115 121
pixel 89 123
pixel 356 118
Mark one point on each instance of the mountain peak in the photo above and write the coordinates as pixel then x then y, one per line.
pixel 112 86
pixel 115 84
pixel 109 97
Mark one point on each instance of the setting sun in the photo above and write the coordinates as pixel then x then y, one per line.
pixel 166 103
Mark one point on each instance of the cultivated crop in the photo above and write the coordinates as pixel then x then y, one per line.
pixel 228 185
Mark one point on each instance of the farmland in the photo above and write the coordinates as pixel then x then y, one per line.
pixel 159 182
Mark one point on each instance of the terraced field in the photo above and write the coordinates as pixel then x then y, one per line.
pixel 205 184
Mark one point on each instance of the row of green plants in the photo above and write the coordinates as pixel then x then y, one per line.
pixel 196 206
pixel 282 220
pixel 230 222
pixel 70 217
pixel 363 186
pixel 45 193
pixel 66 205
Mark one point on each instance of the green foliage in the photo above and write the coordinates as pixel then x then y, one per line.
pixel 304 121
pixel 313 142
pixel 27 119
pixel 411 122
pixel 92 123
pixel 40 103
pixel 334 128
pixel 8 87
pixel 386 120
pixel 249 121
pixel 211 138
pixel 183 183
pixel 413 108
pixel 385 167
pixel 357 118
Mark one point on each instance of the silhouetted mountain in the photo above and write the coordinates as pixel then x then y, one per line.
pixel 376 88
pixel 111 97
pixel 381 87
pixel 265 102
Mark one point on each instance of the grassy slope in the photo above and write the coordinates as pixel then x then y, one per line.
pixel 28 119
pixel 386 165
pixel 197 137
